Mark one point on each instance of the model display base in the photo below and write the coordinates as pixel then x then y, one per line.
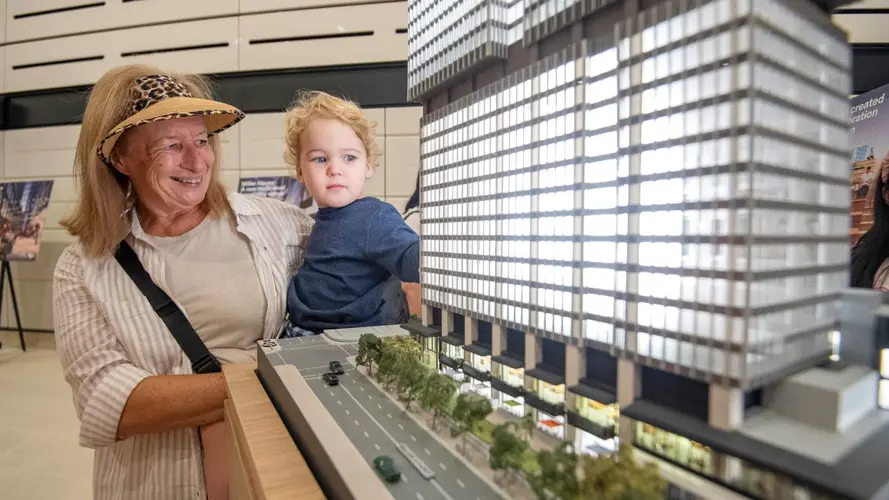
pixel 341 429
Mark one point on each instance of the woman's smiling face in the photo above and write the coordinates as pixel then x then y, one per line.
pixel 169 164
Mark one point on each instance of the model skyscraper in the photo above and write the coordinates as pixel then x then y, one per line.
pixel 635 228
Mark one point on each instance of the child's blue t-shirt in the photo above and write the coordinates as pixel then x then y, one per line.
pixel 354 262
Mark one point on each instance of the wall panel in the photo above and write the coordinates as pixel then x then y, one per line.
pixel 253 6
pixel 357 34
pixel 197 47
pixel 30 19
pixel 864 28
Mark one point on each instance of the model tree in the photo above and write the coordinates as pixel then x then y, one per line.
pixel 412 379
pixel 396 352
pixel 557 474
pixel 405 345
pixel 438 396
pixel 619 477
pixel 469 410
pixel 389 365
pixel 527 424
pixel 507 452
pixel 369 351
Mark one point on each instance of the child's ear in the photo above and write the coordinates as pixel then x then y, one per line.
pixel 370 171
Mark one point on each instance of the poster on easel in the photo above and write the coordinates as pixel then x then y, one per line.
pixel 22 218
pixel 869 139
pixel 282 188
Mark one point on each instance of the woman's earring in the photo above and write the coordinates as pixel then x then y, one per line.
pixel 129 202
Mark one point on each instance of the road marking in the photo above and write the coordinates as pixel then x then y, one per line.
pixel 389 415
pixel 379 406
pixel 460 484
pixel 370 397
pixel 332 394
pixel 377 446
pixel 427 451
pixel 400 426
pixel 419 496
pixel 405 481
pixel 442 466
pixel 392 438
pixel 413 438
pixel 441 490
pixel 347 413
pixel 362 389
pixel 366 435
pixel 356 422
pixel 339 402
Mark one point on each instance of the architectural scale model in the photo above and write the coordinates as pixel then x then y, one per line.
pixel 634 230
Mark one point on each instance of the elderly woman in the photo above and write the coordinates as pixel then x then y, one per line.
pixel 147 161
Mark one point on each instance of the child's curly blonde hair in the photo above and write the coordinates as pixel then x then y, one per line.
pixel 311 105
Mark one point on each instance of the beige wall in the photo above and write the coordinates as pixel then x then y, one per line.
pixel 255 147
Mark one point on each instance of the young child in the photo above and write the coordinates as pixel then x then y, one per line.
pixel 360 249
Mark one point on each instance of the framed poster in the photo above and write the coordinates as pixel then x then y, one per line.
pixel 22 218
pixel 869 139
pixel 283 188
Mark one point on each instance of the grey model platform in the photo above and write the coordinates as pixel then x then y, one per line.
pixel 340 429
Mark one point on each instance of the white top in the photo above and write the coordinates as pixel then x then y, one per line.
pixel 211 272
pixel 109 339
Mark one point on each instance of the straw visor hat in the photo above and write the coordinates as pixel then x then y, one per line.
pixel 160 97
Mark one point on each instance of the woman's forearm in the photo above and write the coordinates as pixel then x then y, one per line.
pixel 163 403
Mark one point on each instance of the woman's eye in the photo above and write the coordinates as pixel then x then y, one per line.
pixel 351 158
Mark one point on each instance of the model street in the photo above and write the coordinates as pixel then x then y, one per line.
pixel 375 425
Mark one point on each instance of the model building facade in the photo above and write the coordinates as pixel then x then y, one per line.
pixel 634 228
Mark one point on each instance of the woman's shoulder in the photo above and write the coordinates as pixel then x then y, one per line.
pixel 246 204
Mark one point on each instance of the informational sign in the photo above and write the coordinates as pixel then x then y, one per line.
pixel 22 218
pixel 286 189
pixel 869 134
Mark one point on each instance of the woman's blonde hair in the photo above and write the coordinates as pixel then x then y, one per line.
pixel 97 220
pixel 311 105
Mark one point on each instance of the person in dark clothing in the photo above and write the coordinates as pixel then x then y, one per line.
pixel 360 249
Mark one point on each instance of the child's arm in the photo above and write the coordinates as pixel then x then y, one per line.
pixel 392 244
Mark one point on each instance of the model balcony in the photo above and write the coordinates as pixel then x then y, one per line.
pixel 420 331
pixel 547 392
pixel 508 374
pixel 516 392
pixel 478 362
pixel 552 409
pixel 595 410
pixel 451 352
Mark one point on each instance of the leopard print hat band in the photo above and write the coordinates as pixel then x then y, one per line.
pixel 152 89
pixel 161 97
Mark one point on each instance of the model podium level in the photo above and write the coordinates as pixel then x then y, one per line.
pixel 343 428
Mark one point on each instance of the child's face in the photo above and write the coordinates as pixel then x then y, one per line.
pixel 334 163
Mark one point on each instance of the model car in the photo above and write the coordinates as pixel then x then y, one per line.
pixel 385 467
pixel 330 379
pixel 336 367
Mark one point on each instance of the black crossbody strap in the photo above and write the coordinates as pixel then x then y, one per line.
pixel 202 361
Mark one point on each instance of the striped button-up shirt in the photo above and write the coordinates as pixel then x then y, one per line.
pixel 109 339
